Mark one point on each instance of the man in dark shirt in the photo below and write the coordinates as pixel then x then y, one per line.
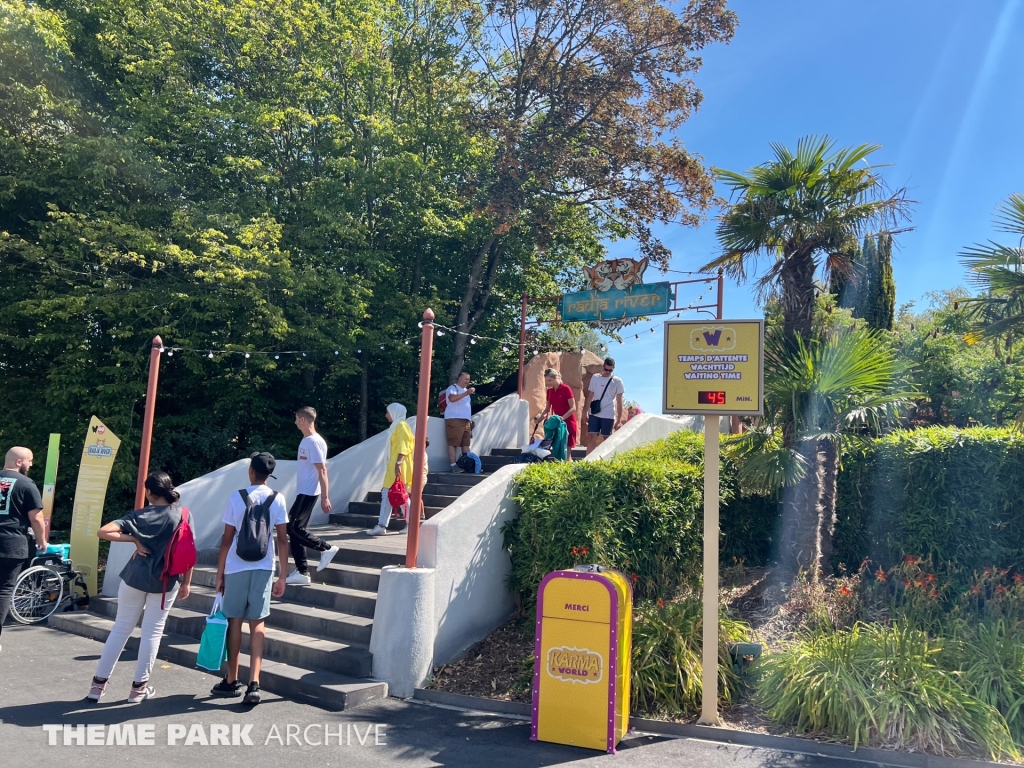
pixel 20 507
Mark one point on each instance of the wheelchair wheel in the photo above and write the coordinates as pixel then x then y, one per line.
pixel 37 593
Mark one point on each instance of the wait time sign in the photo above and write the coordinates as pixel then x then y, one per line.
pixel 714 367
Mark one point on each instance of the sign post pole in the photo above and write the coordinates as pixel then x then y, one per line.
pixel 709 694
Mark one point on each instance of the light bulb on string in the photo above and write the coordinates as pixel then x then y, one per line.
pixel 210 355
pixel 382 346
pixel 246 355
pixel 277 357
pixel 440 333
pixel 472 341
pixel 335 351
pixel 505 350
pixel 652 330
pixel 170 353
pixel 161 350
pixel 303 354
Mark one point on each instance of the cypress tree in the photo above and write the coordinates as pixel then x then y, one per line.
pixel 846 287
pixel 880 300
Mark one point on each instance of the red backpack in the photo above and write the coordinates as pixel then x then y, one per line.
pixel 442 401
pixel 181 553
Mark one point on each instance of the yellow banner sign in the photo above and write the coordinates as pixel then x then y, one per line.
pixel 93 475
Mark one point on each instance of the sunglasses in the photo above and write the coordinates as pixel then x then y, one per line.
pixel 608 369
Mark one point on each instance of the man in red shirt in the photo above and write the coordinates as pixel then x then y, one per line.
pixel 561 402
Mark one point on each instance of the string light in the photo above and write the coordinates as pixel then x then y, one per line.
pixel 246 355
pixel 210 355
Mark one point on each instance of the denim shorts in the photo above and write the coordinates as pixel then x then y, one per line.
pixel 247 594
pixel 596 424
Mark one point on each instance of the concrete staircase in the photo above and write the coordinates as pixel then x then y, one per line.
pixel 442 489
pixel 317 636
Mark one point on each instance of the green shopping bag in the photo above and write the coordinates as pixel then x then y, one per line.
pixel 213 647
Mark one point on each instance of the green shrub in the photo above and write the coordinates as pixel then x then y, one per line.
pixel 667 647
pixel 990 661
pixel 638 516
pixel 641 512
pixel 883 686
pixel 951 495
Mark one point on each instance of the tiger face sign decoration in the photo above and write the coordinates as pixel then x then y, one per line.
pixel 619 274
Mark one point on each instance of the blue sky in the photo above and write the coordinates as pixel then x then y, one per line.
pixel 939 84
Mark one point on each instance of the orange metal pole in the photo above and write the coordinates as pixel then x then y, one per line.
pixel 522 342
pixel 412 546
pixel 147 421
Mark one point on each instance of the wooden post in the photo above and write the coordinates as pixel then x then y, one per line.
pixel 147 421
pixel 522 342
pixel 709 695
pixel 412 546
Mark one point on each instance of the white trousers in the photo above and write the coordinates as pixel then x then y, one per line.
pixel 386 510
pixel 131 604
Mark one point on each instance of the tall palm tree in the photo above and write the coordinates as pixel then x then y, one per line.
pixel 825 396
pixel 803 211
pixel 999 272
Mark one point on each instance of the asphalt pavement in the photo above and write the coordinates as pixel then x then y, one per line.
pixel 45 674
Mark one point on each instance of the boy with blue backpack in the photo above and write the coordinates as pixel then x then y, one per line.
pixel 245 569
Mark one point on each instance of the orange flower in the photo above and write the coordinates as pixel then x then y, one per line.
pixel 585 551
pixel 930 578
pixel 1018 579
pixel 575 551
pixel 661 603
pixel 634 578
pixel 1000 590
pixel 976 589
pixel 880 575
pixel 845 591
pixel 933 593
pixel 910 560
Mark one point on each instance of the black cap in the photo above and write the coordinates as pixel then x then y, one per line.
pixel 263 463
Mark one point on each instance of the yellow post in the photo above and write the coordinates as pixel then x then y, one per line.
pixel 709 700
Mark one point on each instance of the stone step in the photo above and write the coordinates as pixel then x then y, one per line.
pixel 363 522
pixel 349 553
pixel 429 499
pixel 577 453
pixel 372 508
pixel 445 489
pixel 317 686
pixel 337 574
pixel 452 478
pixel 301 619
pixel 287 647
pixel 329 596
pixel 494 463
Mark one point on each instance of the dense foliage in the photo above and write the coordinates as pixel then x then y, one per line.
pixel 949 494
pixel 309 176
pixel 640 512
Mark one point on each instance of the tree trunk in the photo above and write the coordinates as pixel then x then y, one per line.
pixel 827 503
pixel 364 381
pixel 474 300
pixel 798 293
pixel 798 548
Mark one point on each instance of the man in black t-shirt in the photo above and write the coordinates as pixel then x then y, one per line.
pixel 20 507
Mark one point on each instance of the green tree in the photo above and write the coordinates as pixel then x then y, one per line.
pixel 802 211
pixel 879 304
pixel 998 270
pixel 830 392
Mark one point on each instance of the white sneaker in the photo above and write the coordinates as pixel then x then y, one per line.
pixel 377 530
pixel 298 579
pixel 326 556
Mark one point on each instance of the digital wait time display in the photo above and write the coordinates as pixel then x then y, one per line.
pixel 714 367
pixel 710 398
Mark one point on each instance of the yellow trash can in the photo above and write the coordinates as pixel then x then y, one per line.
pixel 582 649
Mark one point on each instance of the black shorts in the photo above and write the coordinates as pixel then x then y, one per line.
pixel 596 424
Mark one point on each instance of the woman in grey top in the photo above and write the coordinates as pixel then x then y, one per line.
pixel 141 592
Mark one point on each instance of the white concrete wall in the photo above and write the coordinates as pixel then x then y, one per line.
pixel 505 423
pixel 351 474
pixel 463 545
pixel 643 429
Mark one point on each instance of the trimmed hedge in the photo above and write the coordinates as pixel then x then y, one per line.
pixel 954 495
pixel 640 512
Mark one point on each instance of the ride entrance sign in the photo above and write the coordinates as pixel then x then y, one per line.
pixel 714 367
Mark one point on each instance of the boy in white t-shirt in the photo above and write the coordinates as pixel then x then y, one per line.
pixel 310 484
pixel 246 584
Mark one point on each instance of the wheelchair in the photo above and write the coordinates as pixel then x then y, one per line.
pixel 49 583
